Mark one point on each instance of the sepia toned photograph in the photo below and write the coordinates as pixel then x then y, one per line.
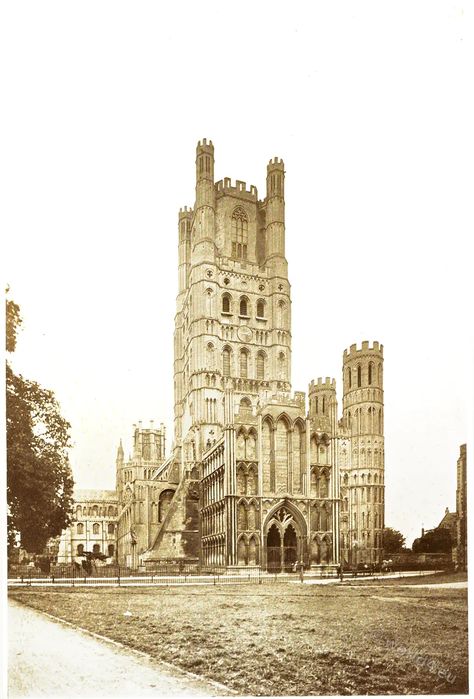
pixel 238 390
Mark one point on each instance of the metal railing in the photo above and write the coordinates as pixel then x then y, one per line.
pixel 173 574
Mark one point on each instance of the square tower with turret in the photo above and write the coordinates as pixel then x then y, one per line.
pixel 232 325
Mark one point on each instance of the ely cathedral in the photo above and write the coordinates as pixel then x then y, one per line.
pixel 258 475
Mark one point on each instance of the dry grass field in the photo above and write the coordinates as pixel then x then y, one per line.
pixel 287 638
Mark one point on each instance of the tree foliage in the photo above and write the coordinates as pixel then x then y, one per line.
pixel 39 476
pixel 393 540
pixel 435 541
pixel 13 321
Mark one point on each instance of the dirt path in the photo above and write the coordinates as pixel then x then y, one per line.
pixel 48 658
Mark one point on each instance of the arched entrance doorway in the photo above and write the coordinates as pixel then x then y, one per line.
pixel 284 540
pixel 290 547
pixel 274 549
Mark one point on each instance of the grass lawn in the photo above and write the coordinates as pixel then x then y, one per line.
pixel 284 638
pixel 426 579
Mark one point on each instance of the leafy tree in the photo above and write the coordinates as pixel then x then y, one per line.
pixel 435 541
pixel 39 476
pixel 393 541
pixel 89 559
pixel 13 321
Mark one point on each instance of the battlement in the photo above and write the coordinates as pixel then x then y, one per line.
pixel 240 187
pixel 365 348
pixel 297 400
pixel 156 430
pixel 276 164
pixel 320 383
pixel 204 145
pixel 186 212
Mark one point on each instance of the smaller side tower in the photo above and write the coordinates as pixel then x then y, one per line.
pixel 203 235
pixel 275 218
pixel 148 454
pixel 323 405
pixel 363 473
pixel 185 220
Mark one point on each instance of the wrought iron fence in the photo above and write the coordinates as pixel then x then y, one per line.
pixel 171 574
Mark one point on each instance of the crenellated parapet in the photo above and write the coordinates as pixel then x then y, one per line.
pixel 363 371
pixel 320 383
pixel 323 404
pixel 355 352
pixel 239 189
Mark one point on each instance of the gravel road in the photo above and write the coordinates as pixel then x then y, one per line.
pixel 48 658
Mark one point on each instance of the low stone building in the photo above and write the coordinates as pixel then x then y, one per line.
pixel 93 528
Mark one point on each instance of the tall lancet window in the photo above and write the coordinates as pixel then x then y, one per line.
pixel 210 356
pixel 282 367
pixel 244 363
pixel 260 366
pixel 239 234
pixel 226 355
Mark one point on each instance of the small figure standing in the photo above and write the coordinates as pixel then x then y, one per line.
pixel 301 567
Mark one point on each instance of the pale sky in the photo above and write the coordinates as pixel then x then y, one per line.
pixel 369 105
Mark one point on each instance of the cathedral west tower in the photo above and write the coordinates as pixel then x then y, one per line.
pixel 233 316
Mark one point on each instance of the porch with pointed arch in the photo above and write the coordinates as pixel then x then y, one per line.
pixel 284 536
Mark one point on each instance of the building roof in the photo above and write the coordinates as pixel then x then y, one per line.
pixel 94 495
pixel 449 520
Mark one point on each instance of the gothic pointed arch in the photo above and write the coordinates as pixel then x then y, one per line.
pixel 268 453
pixel 226 303
pixel 313 449
pixel 226 360
pixel 282 443
pixel 253 550
pixel 295 514
pixel 239 233
pixel 241 479
pixel 242 550
pixel 299 454
pixel 252 480
pixel 244 307
pixel 260 365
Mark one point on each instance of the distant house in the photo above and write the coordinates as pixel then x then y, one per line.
pixel 449 522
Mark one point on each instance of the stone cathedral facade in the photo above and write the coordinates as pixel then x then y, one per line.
pixel 258 475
